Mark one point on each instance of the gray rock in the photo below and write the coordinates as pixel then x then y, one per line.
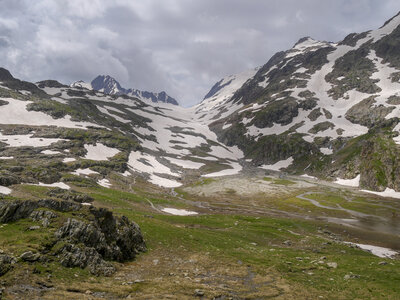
pixel 11 211
pixel 332 265
pixel 85 257
pixel 29 256
pixel 39 215
pixel 105 237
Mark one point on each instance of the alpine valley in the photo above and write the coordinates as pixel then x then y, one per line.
pixel 282 183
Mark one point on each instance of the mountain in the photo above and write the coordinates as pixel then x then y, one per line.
pixel 323 109
pixel 326 109
pixel 110 86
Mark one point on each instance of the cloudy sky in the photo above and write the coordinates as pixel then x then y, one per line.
pixel 180 46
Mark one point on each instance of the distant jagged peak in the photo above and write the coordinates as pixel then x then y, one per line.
pixel 109 85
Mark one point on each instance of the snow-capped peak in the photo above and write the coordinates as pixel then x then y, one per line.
pixel 81 84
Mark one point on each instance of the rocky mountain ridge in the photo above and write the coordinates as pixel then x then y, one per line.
pixel 108 85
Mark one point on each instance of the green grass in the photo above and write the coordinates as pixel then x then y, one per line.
pixel 256 241
pixel 283 182
pixel 204 181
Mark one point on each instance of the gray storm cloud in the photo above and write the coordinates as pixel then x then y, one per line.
pixel 180 46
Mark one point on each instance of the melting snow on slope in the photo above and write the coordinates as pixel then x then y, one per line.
pixel 60 185
pixel 68 159
pixel 86 171
pixel 145 163
pixel 187 164
pixel 355 182
pixel 179 212
pixel 5 190
pixel 6 157
pixel 50 152
pixel 15 112
pixel 163 182
pixel 26 140
pixel 279 165
pixel 100 152
pixel 105 111
pixel 386 193
pixel 104 183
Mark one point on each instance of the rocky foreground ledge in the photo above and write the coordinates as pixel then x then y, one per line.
pixel 77 235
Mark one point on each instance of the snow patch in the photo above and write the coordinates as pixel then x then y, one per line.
pixel 50 152
pixel 26 140
pixel 60 185
pixel 326 151
pixel 100 152
pixel 386 193
pixel 68 159
pixel 104 183
pixel 355 182
pixel 15 112
pixel 145 163
pixel 187 164
pixel 86 171
pixel 5 190
pixel 375 250
pixel 179 212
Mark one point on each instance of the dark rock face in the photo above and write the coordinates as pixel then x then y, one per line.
pixel 281 112
pixel 97 237
pixel 5 75
pixel 50 84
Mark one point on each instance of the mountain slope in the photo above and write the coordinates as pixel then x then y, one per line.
pixel 161 143
pixel 307 106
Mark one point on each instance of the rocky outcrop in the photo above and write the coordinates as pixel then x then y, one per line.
pixel 70 195
pixel 85 257
pixel 365 113
pixel 91 240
